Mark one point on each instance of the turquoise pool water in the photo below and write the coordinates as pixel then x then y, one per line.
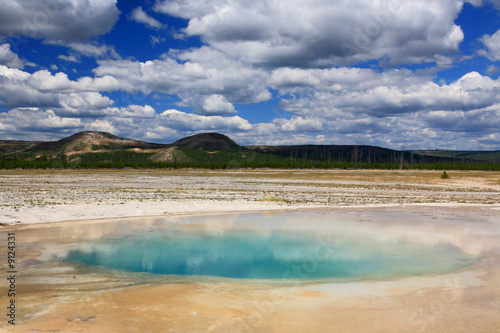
pixel 246 250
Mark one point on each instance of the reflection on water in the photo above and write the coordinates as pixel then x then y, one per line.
pixel 274 255
pixel 293 245
pixel 322 244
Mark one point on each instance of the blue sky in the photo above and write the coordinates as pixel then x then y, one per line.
pixel 389 73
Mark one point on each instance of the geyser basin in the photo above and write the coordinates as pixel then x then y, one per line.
pixel 256 246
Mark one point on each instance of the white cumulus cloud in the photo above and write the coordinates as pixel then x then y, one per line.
pixel 218 105
pixel 42 89
pixel 101 125
pixel 356 91
pixel 204 79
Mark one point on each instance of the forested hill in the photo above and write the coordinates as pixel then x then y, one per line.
pixel 218 151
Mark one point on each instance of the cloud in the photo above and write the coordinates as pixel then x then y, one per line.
pixel 141 16
pixel 218 105
pixel 69 58
pixel 204 79
pixel 46 123
pixel 344 92
pixel 475 3
pixel 493 70
pixel 9 58
pixel 299 124
pixel 132 111
pixel 390 108
pixel 486 120
pixel 101 125
pixel 169 125
pixel 273 134
pixel 435 129
pixel 95 51
pixel 35 120
pixel 16 92
pixel 42 89
pixel 89 50
pixel 492 44
pixel 366 126
pixel 299 33
pixel 82 104
pixel 337 105
pixel 58 20
pixel 45 81
pixel 302 52
pixel 182 121
pixel 155 40
pixel 496 3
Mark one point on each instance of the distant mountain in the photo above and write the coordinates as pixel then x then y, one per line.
pixel 85 142
pixel 348 153
pixel 82 143
pixel 170 154
pixel 214 150
pixel 9 147
pixel 351 153
pixel 472 155
pixel 80 147
pixel 207 141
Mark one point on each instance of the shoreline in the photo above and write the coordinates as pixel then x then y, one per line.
pixel 36 225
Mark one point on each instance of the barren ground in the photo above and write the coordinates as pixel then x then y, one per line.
pixel 52 196
pixel 56 297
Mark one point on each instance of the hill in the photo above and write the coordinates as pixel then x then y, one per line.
pixel 217 151
pixel 356 154
pixel 9 147
pixel 472 155
pixel 207 141
pixel 169 155
pixel 85 142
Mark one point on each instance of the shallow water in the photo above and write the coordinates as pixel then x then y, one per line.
pixel 277 255
pixel 292 245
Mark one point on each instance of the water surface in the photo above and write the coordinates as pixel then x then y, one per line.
pixel 294 245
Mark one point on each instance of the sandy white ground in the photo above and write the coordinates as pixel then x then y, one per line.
pixel 53 196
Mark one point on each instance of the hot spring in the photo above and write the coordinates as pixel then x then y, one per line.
pixel 303 245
